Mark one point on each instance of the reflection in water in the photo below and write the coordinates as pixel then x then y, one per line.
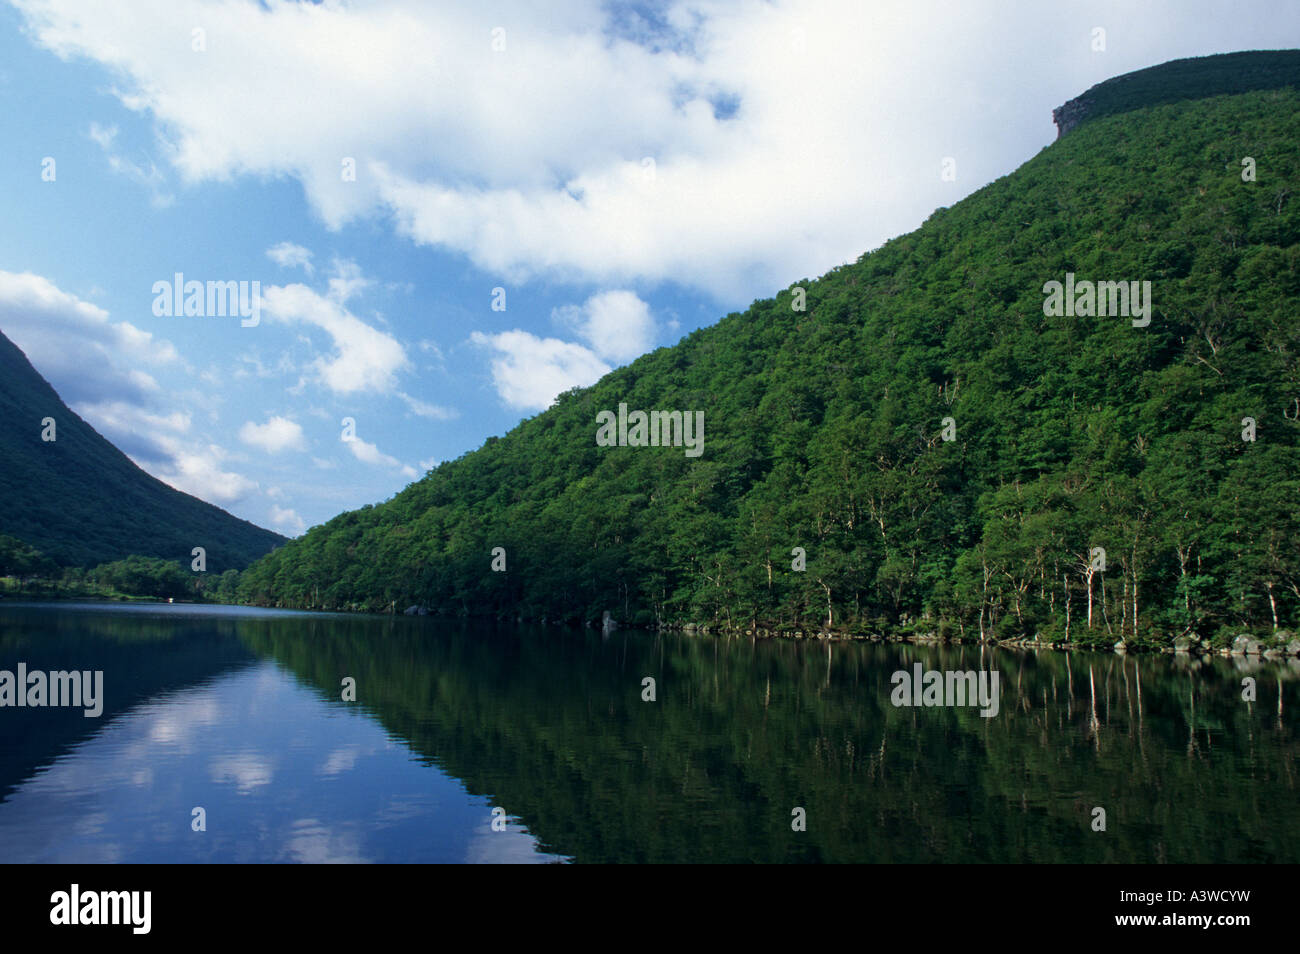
pixel 281 775
pixel 240 712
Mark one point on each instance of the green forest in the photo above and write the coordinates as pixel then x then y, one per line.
pixel 28 573
pixel 950 459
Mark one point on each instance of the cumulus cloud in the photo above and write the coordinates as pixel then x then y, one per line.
pixel 199 471
pixel 277 434
pixel 726 146
pixel 530 372
pixel 94 365
pixel 368 453
pixel 287 520
pixel 364 359
pixel 164 445
pixel 147 437
pixel 85 356
pixel 288 255
pixel 616 324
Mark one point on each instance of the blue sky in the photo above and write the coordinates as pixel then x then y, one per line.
pixel 626 173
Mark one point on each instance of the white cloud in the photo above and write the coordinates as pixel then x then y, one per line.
pixel 529 372
pixel 162 445
pixel 103 136
pixel 288 255
pixel 287 520
pixel 84 355
pixel 148 438
pixel 364 358
pixel 368 453
pixel 198 471
pixel 617 324
pixel 151 178
pixel 250 365
pixel 433 411
pixel 92 362
pixel 277 434
pixel 347 280
pixel 787 136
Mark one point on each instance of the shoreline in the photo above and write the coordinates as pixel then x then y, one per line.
pixel 1279 646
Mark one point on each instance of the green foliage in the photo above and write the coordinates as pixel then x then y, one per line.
pixel 823 429
pixel 144 576
pixel 19 560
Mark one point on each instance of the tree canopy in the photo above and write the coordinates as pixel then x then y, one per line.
pixel 945 453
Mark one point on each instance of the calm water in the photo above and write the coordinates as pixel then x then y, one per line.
pixel 240 712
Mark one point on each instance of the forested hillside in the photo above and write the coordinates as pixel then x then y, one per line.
pixel 1069 434
pixel 79 501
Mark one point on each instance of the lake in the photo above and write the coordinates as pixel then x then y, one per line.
pixel 471 742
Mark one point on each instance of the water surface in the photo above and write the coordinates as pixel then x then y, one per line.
pixel 240 712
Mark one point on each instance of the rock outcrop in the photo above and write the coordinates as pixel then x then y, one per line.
pixel 1192 78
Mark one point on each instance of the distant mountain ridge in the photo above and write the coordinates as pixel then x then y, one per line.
pixel 81 501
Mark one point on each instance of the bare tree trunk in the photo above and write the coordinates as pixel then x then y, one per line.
pixel 1105 615
pixel 1090 598
pixel 1123 606
pixel 1135 586
pixel 1066 581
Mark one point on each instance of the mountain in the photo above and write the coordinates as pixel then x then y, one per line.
pixel 930 439
pixel 1193 78
pixel 80 501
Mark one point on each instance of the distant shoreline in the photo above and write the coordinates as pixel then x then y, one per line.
pixel 1282 645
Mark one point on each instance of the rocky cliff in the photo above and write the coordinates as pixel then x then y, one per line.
pixel 1192 78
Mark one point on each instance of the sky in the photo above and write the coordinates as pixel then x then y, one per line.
pixel 456 211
